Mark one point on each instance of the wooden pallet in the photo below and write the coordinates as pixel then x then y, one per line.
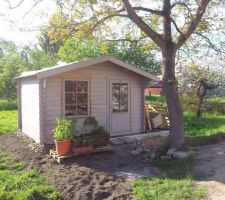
pixel 59 159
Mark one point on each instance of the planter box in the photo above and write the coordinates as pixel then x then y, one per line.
pixel 99 140
pixel 82 150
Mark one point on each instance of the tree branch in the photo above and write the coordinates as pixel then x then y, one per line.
pixel 193 24
pixel 209 42
pixel 176 27
pixel 157 38
pixel 156 12
pixel 17 5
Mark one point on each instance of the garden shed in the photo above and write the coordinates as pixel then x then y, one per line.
pixel 104 87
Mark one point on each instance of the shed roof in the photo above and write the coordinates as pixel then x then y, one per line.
pixel 51 71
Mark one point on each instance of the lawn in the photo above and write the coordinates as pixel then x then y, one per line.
pixel 8 121
pixel 5 105
pixel 210 124
pixel 19 184
pixel 8 117
pixel 176 183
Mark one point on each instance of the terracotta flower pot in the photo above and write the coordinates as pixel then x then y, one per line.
pixel 82 150
pixel 62 147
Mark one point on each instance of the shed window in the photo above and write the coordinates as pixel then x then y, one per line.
pixel 120 97
pixel 76 98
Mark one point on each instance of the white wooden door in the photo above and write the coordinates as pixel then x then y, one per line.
pixel 119 107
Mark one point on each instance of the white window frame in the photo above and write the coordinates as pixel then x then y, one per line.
pixel 64 101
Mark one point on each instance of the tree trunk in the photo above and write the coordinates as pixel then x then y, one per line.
pixel 172 97
pixel 200 94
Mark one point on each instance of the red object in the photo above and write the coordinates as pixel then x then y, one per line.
pixel 154 90
pixel 63 147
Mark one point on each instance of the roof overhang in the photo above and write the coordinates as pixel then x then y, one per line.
pixel 52 71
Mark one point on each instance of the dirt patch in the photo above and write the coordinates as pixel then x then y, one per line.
pixel 95 177
pixel 211 168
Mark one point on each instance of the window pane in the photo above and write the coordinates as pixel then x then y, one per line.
pixel 124 88
pixel 70 110
pixel 70 86
pixel 124 97
pixel 124 106
pixel 82 86
pixel 116 88
pixel 70 98
pixel 82 98
pixel 82 109
pixel 116 107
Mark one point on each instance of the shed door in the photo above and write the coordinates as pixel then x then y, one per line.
pixel 119 107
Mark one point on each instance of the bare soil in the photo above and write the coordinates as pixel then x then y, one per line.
pixel 99 176
pixel 210 166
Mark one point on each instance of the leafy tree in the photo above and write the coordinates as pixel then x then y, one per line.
pixel 76 49
pixel 166 29
pixel 197 81
pixel 135 55
pixel 11 65
pixel 38 59
pixel 169 26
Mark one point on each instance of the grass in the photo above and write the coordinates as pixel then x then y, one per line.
pixel 176 183
pixel 8 117
pixel 210 124
pixel 217 99
pixel 5 105
pixel 156 100
pixel 208 130
pixel 8 121
pixel 19 184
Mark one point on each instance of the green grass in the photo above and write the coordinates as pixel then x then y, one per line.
pixel 176 183
pixel 210 124
pixel 156 100
pixel 216 99
pixel 8 121
pixel 19 184
pixel 5 105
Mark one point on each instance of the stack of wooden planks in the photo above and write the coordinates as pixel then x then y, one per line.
pixel 156 117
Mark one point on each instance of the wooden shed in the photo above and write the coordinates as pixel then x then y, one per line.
pixel 104 87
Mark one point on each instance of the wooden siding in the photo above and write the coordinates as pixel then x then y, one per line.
pixel 99 77
pixel 30 108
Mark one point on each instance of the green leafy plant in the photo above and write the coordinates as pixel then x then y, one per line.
pixel 99 130
pixel 64 129
pixel 90 124
pixel 82 140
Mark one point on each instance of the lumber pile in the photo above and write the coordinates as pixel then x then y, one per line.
pixel 156 117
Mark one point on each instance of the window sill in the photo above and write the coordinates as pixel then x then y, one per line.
pixel 77 117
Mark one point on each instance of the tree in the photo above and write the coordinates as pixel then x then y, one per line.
pixel 38 58
pixel 11 65
pixel 197 80
pixel 170 28
pixel 134 53
pixel 167 35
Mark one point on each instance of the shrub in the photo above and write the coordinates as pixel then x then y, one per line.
pixel 64 129
pixel 5 105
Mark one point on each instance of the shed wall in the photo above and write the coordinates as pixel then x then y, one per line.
pixel 30 108
pixel 98 77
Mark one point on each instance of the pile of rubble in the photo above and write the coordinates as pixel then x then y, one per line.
pixel 144 152
pixel 35 147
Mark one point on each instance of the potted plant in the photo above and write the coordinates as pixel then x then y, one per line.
pixel 98 135
pixel 82 145
pixel 63 133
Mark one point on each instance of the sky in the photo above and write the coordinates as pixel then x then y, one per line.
pixel 20 25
